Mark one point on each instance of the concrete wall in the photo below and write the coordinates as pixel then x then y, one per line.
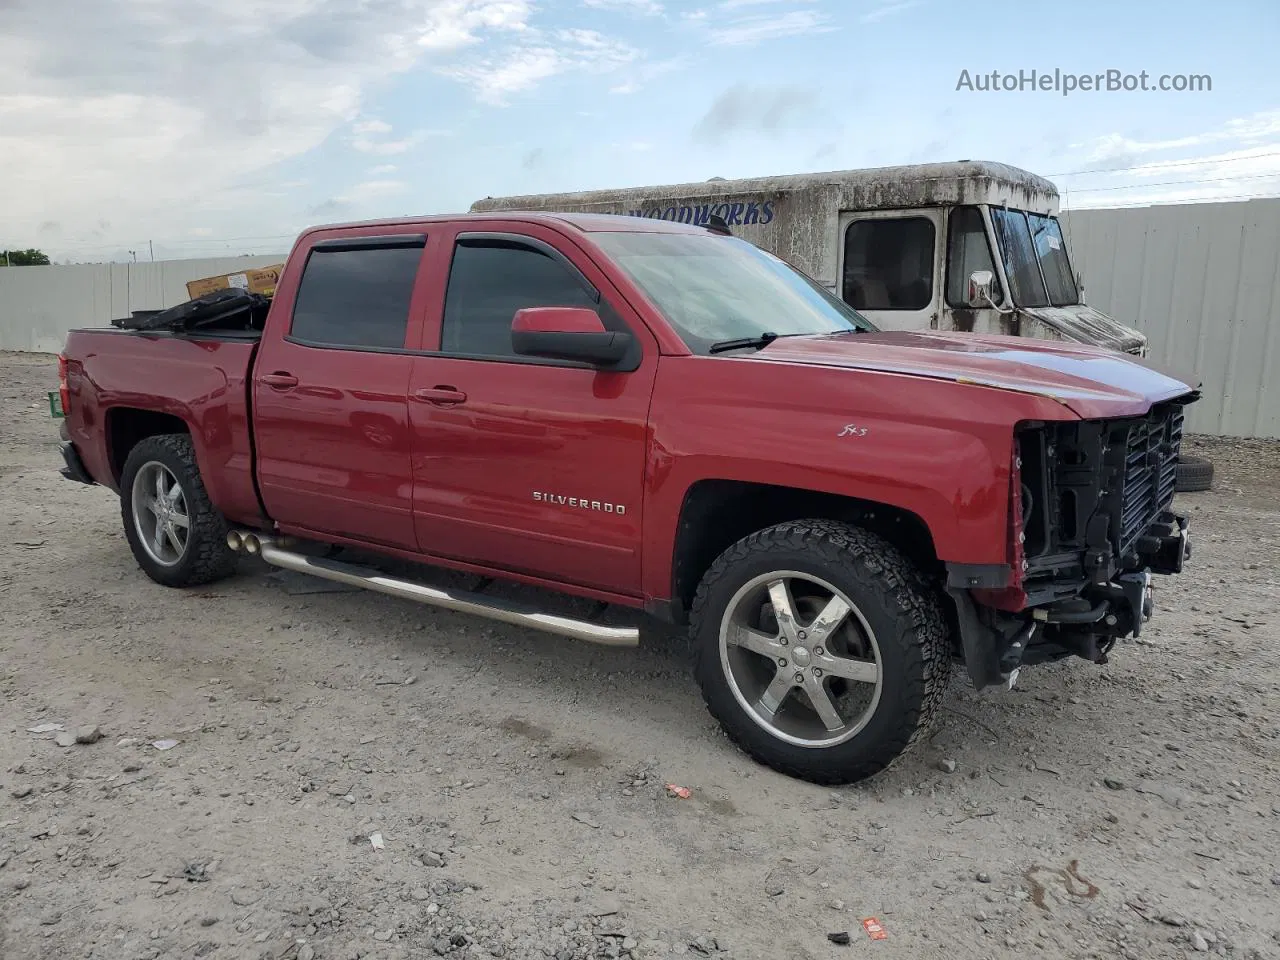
pixel 1202 281
pixel 38 305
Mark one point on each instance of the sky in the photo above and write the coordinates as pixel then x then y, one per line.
pixel 184 128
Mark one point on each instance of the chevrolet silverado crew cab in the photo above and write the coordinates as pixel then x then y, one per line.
pixel 662 416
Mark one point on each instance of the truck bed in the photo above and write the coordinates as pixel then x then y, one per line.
pixel 123 379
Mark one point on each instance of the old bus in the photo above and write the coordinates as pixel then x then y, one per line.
pixel 966 246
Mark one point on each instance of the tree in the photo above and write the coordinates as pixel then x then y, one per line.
pixel 23 258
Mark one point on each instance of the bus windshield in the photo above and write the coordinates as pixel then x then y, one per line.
pixel 1035 258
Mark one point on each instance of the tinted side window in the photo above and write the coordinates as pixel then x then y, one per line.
pixel 888 264
pixel 967 251
pixel 489 281
pixel 356 298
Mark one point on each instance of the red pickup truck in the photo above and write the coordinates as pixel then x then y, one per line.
pixel 665 417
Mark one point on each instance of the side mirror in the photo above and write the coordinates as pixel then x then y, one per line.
pixel 981 286
pixel 567 333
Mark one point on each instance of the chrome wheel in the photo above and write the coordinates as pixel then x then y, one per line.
pixel 801 659
pixel 160 514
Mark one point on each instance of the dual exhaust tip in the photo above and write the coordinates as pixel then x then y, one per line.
pixel 242 542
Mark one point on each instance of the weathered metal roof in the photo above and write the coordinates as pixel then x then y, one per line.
pixel 913 185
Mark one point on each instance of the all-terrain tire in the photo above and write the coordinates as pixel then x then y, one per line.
pixel 890 593
pixel 1194 474
pixel 206 556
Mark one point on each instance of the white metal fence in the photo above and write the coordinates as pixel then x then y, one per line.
pixel 1201 280
pixel 38 305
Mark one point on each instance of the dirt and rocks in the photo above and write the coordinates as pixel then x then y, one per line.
pixel 266 768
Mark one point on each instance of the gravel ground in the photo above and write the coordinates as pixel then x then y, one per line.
pixel 514 785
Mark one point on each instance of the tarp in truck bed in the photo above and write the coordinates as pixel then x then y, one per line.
pixel 228 309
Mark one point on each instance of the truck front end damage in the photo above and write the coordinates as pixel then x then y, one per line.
pixel 1091 520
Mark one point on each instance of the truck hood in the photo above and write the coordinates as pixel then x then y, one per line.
pixel 1091 381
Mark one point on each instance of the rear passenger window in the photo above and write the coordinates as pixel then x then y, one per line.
pixel 356 297
pixel 489 281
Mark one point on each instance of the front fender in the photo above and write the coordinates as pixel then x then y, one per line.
pixel 936 449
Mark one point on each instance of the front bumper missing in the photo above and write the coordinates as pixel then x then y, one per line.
pixel 996 645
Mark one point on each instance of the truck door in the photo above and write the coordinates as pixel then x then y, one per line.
pixel 531 465
pixel 330 408
pixel 889 266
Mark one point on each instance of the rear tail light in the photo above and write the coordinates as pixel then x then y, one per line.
pixel 64 389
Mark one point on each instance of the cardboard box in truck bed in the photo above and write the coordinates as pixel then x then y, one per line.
pixel 259 280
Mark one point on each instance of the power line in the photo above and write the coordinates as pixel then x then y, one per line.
pixel 1178 183
pixel 208 241
pixel 1157 202
pixel 1164 163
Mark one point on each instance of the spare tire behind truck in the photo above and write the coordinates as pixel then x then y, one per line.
pixel 1194 474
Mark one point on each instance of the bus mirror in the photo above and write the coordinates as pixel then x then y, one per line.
pixel 981 283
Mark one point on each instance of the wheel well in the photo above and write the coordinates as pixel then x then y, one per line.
pixel 127 427
pixel 719 513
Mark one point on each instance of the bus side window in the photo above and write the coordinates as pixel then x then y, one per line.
pixel 888 263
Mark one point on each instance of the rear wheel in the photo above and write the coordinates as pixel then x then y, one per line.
pixel 819 649
pixel 176 534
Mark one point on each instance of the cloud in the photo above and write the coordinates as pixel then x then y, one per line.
pixel 757 110
pixel 157 113
pixel 887 10
pixel 382 169
pixel 749 30
pixel 386 148
pixel 1120 170
pixel 452 24
pixel 648 8
pixel 328 208
pixel 643 73
pixel 360 194
pixel 825 152
pixel 494 80
pixel 371 136
pixel 373 189
pixel 1116 148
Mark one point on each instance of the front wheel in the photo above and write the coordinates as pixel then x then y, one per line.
pixel 819 649
pixel 176 534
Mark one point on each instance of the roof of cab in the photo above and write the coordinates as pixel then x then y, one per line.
pixel 923 184
pixel 586 222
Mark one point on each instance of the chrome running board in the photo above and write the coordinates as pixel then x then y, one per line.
pixel 460 601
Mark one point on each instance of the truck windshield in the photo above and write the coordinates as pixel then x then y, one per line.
pixel 1035 258
pixel 713 289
